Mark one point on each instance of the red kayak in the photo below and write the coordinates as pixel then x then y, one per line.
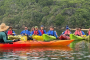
pixel 38 44
pixel 64 37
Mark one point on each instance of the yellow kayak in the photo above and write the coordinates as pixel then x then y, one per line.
pixel 22 38
pixel 38 38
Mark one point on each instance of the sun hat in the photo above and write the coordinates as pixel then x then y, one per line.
pixel 36 26
pixel 3 27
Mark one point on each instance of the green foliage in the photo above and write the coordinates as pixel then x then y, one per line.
pixel 18 13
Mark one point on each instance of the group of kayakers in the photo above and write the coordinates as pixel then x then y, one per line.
pixel 35 31
pixel 78 31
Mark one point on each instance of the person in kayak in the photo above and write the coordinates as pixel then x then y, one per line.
pixel 36 31
pixel 67 32
pixel 10 31
pixel 42 30
pixel 77 32
pixel 88 33
pixel 81 32
pixel 32 30
pixel 52 32
pixel 3 35
pixel 25 32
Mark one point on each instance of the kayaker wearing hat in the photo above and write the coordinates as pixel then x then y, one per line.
pixel 42 30
pixel 67 32
pixel 3 35
pixel 36 31
pixel 10 31
pixel 52 32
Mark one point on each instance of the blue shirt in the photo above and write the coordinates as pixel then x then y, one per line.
pixel 39 33
pixel 25 32
pixel 83 33
pixel 53 33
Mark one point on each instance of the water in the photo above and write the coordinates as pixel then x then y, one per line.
pixel 77 50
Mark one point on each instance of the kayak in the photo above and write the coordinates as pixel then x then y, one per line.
pixel 36 49
pixel 22 38
pixel 48 37
pixel 72 45
pixel 72 36
pixel 64 37
pixel 87 37
pixel 37 43
pixel 37 37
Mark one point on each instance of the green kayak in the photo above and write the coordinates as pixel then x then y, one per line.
pixel 48 38
pixel 72 36
pixel 87 37
pixel 72 45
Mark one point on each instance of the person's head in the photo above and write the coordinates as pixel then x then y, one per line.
pixel 32 29
pixel 10 28
pixel 89 29
pixel 51 28
pixel 80 28
pixel 26 28
pixel 42 27
pixel 77 28
pixel 3 27
pixel 36 27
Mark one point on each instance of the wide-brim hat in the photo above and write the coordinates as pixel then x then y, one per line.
pixel 3 27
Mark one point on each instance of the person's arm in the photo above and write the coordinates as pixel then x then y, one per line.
pixel 32 32
pixel 21 33
pixel 83 33
pixel 63 32
pixel 48 32
pixel 39 33
pixel 44 31
pixel 5 39
pixel 55 34
pixel 14 33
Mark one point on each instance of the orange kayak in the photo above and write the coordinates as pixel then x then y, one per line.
pixel 38 43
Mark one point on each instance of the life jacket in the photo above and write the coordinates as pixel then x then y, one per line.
pixel 42 31
pixel 77 33
pixel 67 32
pixel 89 33
pixel 51 34
pixel 10 32
pixel 36 32
pixel 80 32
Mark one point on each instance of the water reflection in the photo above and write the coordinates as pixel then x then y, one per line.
pixel 79 50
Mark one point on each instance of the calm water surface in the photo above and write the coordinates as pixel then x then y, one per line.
pixel 77 50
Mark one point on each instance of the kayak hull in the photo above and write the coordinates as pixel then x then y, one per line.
pixel 38 43
pixel 72 36
pixel 63 37
pixel 48 38
pixel 37 37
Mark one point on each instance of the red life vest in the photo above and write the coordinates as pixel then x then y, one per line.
pixel 42 31
pixel 67 32
pixel 36 32
pixel 10 32
pixel 89 33
pixel 77 33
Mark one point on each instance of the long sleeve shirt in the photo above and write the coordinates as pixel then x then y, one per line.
pixel 3 37
pixel 53 33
